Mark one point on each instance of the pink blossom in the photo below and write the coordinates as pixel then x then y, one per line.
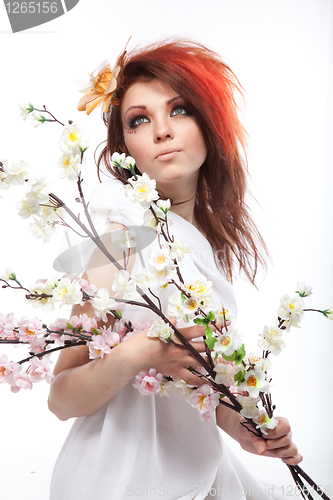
pixel 205 400
pixel 121 328
pixel 97 347
pixel 40 369
pixel 61 325
pixel 8 370
pixel 148 382
pixel 83 322
pixel 111 338
pixel 22 381
pixel 29 328
pixel 7 325
pixel 37 345
pixel 87 287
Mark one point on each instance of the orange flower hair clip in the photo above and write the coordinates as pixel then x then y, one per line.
pixel 103 86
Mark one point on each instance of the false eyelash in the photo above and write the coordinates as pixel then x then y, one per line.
pixel 133 117
pixel 184 106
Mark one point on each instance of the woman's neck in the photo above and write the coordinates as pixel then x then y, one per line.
pixel 183 202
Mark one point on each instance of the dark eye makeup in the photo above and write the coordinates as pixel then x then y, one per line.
pixel 138 117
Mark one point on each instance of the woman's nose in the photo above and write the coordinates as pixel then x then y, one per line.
pixel 163 130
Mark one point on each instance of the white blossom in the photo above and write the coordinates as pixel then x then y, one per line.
pixel 46 303
pixel 227 343
pixel 146 281
pixel 223 312
pixel 264 422
pixel 26 108
pixel 161 330
pixel 122 284
pixel 149 220
pixel 190 306
pixel 28 207
pixel 71 138
pixel 249 406
pixel 9 274
pixel 291 310
pixel 141 190
pixel 178 248
pixel 225 373
pixel 42 230
pixel 160 258
pixel 164 276
pixel 103 304
pixel 200 287
pixel 16 173
pixel 272 340
pixel 175 306
pixel 3 185
pixel 38 190
pixel 122 161
pixel 254 383
pixel 37 119
pixel 164 205
pixel 67 292
pixel 122 239
pixel 69 166
pixel 263 364
pixel 303 289
pixel 328 313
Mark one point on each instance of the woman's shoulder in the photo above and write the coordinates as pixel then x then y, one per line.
pixel 106 194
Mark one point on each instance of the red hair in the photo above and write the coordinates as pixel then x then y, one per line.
pixel 209 87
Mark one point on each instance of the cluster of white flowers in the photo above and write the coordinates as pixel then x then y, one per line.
pixel 73 144
pixel 123 161
pixel 186 306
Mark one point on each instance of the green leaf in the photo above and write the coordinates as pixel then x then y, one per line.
pixel 237 356
pixel 208 331
pixel 70 326
pixel 199 321
pixel 210 342
pixel 183 296
pixel 94 331
pixel 210 317
pixel 240 377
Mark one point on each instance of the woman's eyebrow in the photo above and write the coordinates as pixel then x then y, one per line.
pixel 168 103
pixel 134 107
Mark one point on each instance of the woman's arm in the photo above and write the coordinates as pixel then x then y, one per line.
pixel 81 388
pixel 278 442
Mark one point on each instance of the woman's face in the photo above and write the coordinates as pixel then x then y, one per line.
pixel 161 133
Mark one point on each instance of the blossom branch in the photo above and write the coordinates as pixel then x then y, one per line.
pixel 54 118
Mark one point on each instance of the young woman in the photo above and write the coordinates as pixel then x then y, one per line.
pixel 174 111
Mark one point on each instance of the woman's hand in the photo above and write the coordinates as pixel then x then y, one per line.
pixel 277 443
pixel 167 358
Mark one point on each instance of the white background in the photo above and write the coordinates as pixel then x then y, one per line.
pixel 281 51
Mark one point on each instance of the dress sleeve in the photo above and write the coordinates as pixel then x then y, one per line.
pixel 107 204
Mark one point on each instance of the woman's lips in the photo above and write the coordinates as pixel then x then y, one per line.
pixel 168 155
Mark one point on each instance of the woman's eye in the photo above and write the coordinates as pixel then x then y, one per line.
pixel 138 120
pixel 179 110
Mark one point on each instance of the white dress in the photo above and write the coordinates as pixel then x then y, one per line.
pixel 149 446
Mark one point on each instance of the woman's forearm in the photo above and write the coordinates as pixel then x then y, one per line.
pixel 83 390
pixel 226 418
